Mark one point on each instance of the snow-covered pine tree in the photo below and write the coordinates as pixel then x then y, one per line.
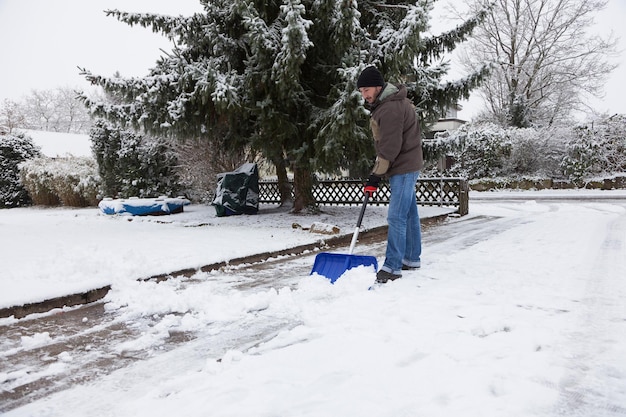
pixel 280 78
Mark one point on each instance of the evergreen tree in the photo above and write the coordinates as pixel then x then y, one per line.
pixel 519 113
pixel 14 149
pixel 279 77
pixel 131 165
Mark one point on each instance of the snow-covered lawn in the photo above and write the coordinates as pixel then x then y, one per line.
pixel 49 253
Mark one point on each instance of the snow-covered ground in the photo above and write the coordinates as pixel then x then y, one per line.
pixel 49 253
pixel 59 144
pixel 517 311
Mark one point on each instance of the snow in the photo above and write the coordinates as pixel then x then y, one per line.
pixel 517 311
pixel 60 144
pixel 56 252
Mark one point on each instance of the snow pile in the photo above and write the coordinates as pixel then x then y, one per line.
pixel 324 228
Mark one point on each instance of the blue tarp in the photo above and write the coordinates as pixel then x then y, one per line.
pixel 143 206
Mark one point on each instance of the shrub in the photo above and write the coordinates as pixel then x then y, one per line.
pixel 596 149
pixel 14 149
pixel 133 165
pixel 71 181
pixel 480 151
pixel 536 152
pixel 566 153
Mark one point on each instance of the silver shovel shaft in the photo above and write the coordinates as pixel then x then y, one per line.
pixel 355 237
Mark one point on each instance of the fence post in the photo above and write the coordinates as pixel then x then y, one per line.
pixel 440 191
pixel 463 197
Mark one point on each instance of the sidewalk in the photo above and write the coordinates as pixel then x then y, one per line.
pixel 579 194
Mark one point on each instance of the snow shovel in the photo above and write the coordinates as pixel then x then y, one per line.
pixel 333 265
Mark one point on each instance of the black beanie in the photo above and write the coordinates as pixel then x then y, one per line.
pixel 370 77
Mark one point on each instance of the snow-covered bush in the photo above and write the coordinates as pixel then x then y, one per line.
pixel 443 144
pixel 14 149
pixel 583 153
pixel 596 149
pixel 482 151
pixel 536 152
pixel 70 181
pixel 435 150
pixel 133 165
pixel 479 151
pixel 526 149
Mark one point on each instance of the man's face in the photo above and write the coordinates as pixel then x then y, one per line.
pixel 370 93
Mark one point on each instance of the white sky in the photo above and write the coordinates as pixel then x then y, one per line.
pixel 49 40
pixel 43 43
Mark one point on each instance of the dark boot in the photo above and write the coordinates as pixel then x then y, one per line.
pixel 384 276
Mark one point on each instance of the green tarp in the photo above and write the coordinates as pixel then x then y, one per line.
pixel 237 191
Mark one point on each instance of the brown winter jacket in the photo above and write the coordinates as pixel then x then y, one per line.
pixel 397 133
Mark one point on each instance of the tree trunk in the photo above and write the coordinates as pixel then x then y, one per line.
pixel 303 182
pixel 284 188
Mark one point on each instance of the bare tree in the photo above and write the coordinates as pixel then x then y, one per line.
pixel 201 160
pixel 56 110
pixel 41 110
pixel 73 115
pixel 546 62
pixel 11 116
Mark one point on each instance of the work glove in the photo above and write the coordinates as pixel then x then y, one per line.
pixel 371 186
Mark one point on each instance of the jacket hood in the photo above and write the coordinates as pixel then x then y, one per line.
pixel 390 92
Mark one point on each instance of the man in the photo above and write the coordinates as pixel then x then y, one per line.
pixel 398 142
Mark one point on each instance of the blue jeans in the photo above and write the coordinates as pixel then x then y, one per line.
pixel 404 238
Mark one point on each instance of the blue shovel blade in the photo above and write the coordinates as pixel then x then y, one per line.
pixel 333 265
